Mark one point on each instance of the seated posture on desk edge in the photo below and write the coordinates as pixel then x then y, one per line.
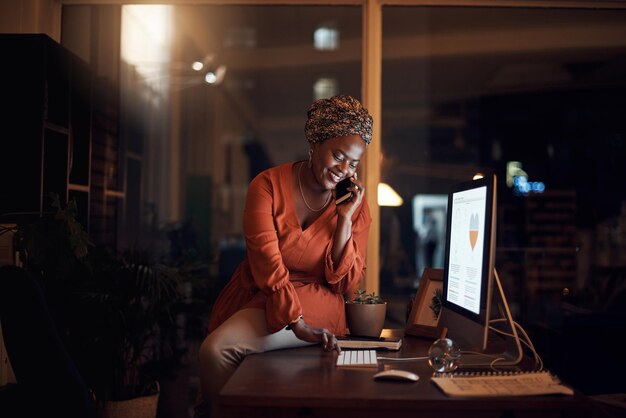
pixel 303 253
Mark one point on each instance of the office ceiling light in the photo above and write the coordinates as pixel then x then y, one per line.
pixel 216 76
pixel 207 62
pixel 387 196
pixel 325 88
pixel 326 37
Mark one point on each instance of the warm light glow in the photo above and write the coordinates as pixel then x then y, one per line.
pixel 210 77
pixel 514 169
pixel 478 176
pixel 145 46
pixel 215 77
pixel 197 66
pixel 387 196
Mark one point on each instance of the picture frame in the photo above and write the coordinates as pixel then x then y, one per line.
pixel 421 321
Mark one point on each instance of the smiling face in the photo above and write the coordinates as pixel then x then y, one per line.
pixel 336 159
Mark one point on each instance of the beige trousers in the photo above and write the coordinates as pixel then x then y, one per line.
pixel 225 348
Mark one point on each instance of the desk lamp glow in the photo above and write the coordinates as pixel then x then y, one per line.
pixel 387 196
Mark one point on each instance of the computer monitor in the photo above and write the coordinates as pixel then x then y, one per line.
pixel 469 275
pixel 469 262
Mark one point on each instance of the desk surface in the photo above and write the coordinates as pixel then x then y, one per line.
pixel 305 381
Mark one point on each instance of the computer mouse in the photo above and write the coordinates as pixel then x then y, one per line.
pixel 399 375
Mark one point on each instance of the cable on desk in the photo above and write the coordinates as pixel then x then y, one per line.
pixel 403 358
pixel 525 340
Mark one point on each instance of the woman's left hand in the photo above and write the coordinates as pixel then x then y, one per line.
pixel 358 192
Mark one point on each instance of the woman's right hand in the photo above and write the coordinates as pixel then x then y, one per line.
pixel 315 335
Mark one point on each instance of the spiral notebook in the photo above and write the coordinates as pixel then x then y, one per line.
pixel 500 384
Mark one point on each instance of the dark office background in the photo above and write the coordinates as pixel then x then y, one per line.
pixel 464 90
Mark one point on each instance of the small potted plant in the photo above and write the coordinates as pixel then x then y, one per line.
pixel 365 314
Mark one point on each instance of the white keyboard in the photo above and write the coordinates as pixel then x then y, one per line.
pixel 357 358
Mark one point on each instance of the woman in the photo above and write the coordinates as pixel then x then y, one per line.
pixel 303 253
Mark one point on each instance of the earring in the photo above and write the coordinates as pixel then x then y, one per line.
pixel 310 163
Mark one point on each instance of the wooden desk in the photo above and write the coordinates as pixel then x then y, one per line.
pixel 306 382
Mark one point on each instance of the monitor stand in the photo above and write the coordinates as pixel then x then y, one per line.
pixel 503 350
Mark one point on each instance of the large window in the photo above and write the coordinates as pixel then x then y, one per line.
pixel 535 95
pixel 210 95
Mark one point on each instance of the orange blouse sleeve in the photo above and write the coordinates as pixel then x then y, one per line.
pixel 346 276
pixel 270 274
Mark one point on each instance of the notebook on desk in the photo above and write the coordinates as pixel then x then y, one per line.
pixel 382 343
pixel 501 384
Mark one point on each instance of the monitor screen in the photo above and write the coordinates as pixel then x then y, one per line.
pixel 469 262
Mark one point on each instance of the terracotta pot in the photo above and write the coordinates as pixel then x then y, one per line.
pixel 366 319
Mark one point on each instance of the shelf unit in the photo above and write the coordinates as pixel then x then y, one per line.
pixel 46 127
pixel 551 230
pixel 107 185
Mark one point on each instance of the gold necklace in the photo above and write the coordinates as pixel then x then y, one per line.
pixel 302 193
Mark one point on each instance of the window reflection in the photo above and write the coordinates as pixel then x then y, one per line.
pixel 535 95
pixel 326 37
pixel 325 88
pixel 210 96
pixel 532 95
pixel 146 43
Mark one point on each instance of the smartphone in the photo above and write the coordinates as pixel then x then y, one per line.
pixel 343 195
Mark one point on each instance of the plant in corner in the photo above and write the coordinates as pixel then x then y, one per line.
pixel 127 301
pixel 111 307
pixel 365 314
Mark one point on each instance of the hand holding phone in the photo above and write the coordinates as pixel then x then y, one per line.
pixel 343 195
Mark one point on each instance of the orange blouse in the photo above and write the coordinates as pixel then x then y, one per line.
pixel 289 271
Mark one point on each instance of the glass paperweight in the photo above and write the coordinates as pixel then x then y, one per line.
pixel 444 356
